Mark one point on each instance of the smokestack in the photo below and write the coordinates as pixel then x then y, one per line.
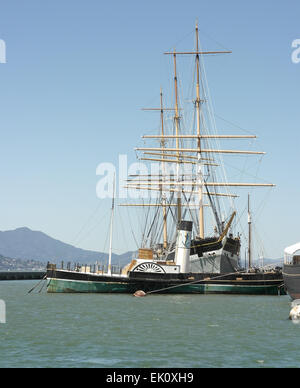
pixel 183 245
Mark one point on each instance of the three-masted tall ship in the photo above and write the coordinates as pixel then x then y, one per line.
pixel 179 252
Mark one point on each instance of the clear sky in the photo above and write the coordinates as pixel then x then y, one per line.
pixel 77 73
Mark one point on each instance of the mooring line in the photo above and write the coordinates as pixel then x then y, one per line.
pixel 195 282
pixel 44 277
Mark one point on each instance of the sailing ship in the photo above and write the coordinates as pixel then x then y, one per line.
pixel 291 270
pixel 189 259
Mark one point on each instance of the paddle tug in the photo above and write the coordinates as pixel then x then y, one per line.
pixel 189 244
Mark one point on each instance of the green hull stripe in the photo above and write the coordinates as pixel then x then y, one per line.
pixel 70 286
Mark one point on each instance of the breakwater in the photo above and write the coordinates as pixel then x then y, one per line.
pixel 21 275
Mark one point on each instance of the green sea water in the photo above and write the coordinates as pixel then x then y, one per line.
pixel 157 331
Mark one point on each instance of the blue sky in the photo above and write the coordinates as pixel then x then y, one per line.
pixel 77 74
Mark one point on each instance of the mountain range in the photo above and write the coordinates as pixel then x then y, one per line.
pixel 26 244
pixel 35 248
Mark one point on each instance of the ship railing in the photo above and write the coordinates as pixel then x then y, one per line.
pixel 292 259
pixel 288 259
pixel 291 254
pixel 97 268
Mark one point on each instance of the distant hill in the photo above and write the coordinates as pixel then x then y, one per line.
pixel 267 263
pixel 26 244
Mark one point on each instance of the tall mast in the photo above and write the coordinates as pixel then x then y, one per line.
pixel 249 235
pixel 198 108
pixel 111 227
pixel 162 138
pixel 165 245
pixel 177 135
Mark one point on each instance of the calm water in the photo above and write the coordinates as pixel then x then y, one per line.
pixel 67 330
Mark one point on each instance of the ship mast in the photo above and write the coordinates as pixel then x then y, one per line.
pixel 198 108
pixel 249 235
pixel 163 160
pixel 111 228
pixel 165 233
pixel 177 118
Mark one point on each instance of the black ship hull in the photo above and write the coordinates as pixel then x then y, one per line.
pixel 269 283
